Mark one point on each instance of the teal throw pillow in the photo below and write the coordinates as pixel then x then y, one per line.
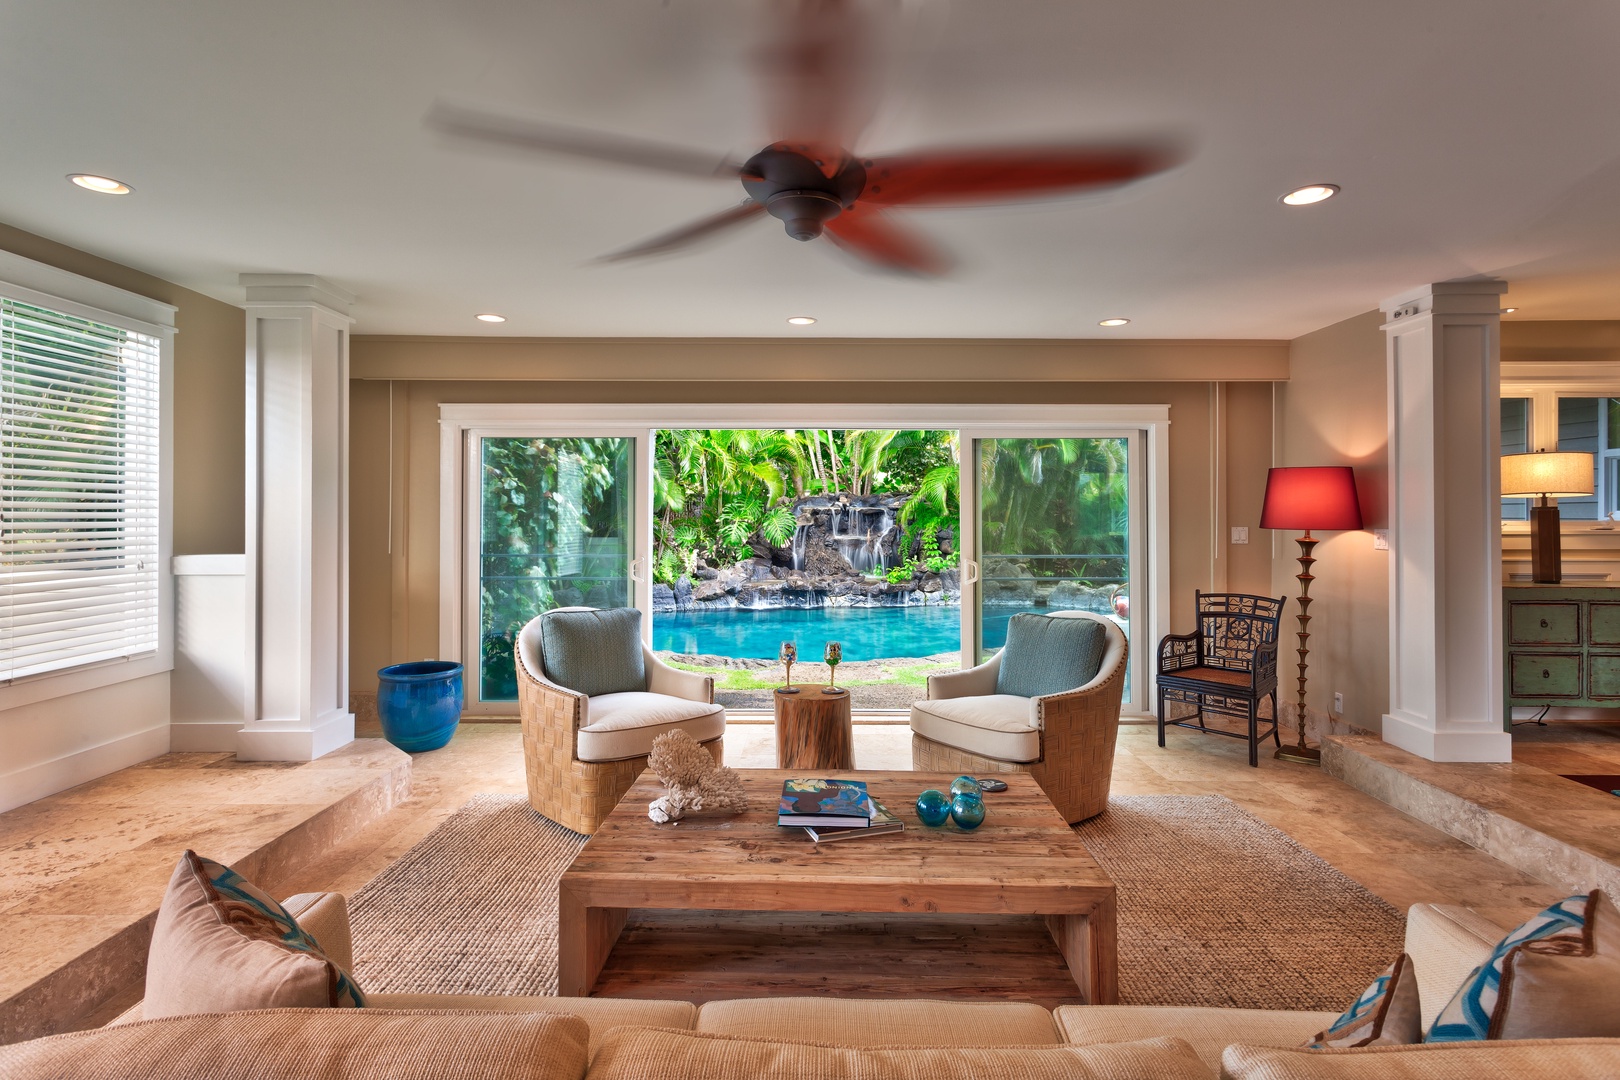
pixel 1386 1014
pixel 594 652
pixel 1048 655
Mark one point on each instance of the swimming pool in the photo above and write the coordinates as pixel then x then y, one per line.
pixel 866 633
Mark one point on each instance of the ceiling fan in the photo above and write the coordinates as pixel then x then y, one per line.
pixel 808 178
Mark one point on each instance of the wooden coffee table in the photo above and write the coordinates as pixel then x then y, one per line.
pixel 1024 860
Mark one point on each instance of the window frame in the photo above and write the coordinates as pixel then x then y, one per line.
pixel 42 285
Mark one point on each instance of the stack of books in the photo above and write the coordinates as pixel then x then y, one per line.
pixel 829 810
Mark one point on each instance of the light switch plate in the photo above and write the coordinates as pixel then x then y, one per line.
pixel 1240 534
pixel 1380 539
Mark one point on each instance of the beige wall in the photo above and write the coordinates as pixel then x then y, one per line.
pixel 394 556
pixel 54 744
pixel 1333 411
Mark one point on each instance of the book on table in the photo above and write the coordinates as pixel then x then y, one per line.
pixel 883 823
pixel 831 803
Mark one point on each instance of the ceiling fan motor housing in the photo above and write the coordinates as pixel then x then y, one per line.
pixel 793 187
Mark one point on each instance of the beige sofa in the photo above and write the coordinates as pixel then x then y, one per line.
pixel 1444 942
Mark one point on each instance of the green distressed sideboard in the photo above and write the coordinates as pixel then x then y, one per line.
pixel 1562 646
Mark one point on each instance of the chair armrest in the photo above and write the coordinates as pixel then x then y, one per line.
pixel 1177 651
pixel 663 679
pixel 1263 666
pixel 530 673
pixel 972 682
pixel 325 915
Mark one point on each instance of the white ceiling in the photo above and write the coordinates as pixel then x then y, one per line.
pixel 1469 136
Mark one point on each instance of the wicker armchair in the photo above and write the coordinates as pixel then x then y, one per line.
pixel 1066 741
pixel 581 754
pixel 1226 666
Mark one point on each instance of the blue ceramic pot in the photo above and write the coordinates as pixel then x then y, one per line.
pixel 419 703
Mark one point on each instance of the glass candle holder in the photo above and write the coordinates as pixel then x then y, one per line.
pixel 834 656
pixel 788 655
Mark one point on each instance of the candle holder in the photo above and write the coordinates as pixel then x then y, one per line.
pixel 789 653
pixel 834 656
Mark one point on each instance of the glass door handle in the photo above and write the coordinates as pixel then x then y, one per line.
pixel 637 568
pixel 972 574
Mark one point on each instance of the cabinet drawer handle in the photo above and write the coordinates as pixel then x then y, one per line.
pixel 1544 624
pixel 1545 674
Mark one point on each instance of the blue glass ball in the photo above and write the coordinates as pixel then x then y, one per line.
pixel 967 811
pixel 933 807
pixel 965 785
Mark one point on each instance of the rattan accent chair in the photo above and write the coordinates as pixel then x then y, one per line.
pixel 1226 666
pixel 577 790
pixel 1066 741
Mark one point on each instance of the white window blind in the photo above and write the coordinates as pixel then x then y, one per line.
pixel 79 498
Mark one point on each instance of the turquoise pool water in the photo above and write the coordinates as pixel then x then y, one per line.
pixel 866 633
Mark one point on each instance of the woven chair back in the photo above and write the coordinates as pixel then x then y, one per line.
pixel 1233 625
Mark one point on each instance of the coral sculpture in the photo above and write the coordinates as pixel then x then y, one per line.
pixel 694 781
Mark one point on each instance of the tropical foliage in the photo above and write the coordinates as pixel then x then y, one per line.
pixel 1060 506
pixel 718 493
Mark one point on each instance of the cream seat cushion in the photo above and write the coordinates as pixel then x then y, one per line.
pixel 845 1022
pixel 1527 1059
pixel 999 726
pixel 1207 1031
pixel 600 1013
pixel 624 725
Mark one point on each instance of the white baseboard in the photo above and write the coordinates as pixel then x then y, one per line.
pixel 204 736
pixel 290 740
pixel 1479 745
pixel 33 782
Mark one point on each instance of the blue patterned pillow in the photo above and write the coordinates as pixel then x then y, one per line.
pixel 1386 1014
pixel 1048 655
pixel 594 652
pixel 1473 1014
pixel 222 945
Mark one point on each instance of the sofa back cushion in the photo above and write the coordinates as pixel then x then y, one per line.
pixel 221 944
pixel 636 1053
pixel 594 652
pixel 313 1044
pixel 1537 1059
pixel 1048 654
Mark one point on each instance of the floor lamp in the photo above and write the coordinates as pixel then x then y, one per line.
pixel 1315 497
pixel 1558 476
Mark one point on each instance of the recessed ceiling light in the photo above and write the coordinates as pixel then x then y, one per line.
pixel 1509 310
pixel 106 185
pixel 1311 193
pixel 490 317
pixel 1114 322
pixel 801 320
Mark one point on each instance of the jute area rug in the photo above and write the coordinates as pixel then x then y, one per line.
pixel 1215 908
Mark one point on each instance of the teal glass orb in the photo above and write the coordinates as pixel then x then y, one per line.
pixel 965 785
pixel 967 811
pixel 933 807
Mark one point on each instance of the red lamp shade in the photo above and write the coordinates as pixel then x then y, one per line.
pixel 1314 497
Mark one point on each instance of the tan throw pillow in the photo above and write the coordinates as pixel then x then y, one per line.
pixel 1557 976
pixel 313 1044
pixel 1387 1013
pixel 220 945
pixel 635 1053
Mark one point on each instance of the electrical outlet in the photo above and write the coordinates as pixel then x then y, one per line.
pixel 1338 704
pixel 1380 539
pixel 1240 534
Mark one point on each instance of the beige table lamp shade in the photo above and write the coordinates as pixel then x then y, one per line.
pixel 1558 475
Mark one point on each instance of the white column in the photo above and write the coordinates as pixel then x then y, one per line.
pixel 297 587
pixel 1445 591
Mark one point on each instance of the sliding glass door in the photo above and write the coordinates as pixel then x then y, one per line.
pixel 1059 526
pixel 553 526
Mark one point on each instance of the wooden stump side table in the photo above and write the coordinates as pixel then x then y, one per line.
pixel 814 730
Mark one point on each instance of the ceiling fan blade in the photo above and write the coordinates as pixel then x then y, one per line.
pixel 970 177
pixel 498 130
pixel 817 77
pixel 679 238
pixel 874 237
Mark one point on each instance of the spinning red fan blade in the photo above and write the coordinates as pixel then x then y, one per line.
pixel 495 129
pixel 871 235
pixel 680 238
pixel 969 177
pixel 817 80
